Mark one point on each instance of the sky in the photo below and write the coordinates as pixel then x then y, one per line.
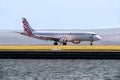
pixel 60 14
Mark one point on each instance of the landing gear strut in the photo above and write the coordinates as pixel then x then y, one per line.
pixel 55 43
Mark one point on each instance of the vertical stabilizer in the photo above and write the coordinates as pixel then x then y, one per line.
pixel 27 27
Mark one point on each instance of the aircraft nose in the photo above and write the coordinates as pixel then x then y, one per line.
pixel 97 37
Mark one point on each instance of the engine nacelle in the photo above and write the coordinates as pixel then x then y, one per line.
pixel 63 40
pixel 76 41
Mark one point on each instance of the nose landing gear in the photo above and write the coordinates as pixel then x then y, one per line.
pixel 91 38
pixel 91 43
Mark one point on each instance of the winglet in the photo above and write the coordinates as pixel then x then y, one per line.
pixel 27 27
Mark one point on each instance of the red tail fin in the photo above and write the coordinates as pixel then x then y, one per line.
pixel 27 27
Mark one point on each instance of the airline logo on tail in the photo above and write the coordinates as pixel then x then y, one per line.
pixel 27 27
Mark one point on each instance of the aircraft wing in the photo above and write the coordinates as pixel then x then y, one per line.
pixel 40 36
pixel 46 37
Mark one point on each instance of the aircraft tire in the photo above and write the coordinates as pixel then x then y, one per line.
pixel 55 43
pixel 64 43
pixel 91 43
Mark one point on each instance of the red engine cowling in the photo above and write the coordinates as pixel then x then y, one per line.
pixel 63 40
pixel 76 41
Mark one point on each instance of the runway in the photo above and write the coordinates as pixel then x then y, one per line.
pixel 61 48
pixel 59 52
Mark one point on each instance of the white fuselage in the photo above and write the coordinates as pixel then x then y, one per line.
pixel 70 35
pixel 65 36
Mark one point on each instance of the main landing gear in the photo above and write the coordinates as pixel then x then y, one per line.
pixel 64 43
pixel 56 43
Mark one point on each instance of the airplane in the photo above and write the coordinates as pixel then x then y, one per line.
pixel 62 37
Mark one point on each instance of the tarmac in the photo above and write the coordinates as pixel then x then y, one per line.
pixel 61 48
pixel 58 52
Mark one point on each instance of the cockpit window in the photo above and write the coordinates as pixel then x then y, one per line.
pixel 94 34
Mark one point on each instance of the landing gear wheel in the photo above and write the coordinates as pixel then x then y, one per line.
pixel 55 43
pixel 91 43
pixel 64 43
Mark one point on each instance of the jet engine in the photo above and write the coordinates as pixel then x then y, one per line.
pixel 76 41
pixel 63 40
